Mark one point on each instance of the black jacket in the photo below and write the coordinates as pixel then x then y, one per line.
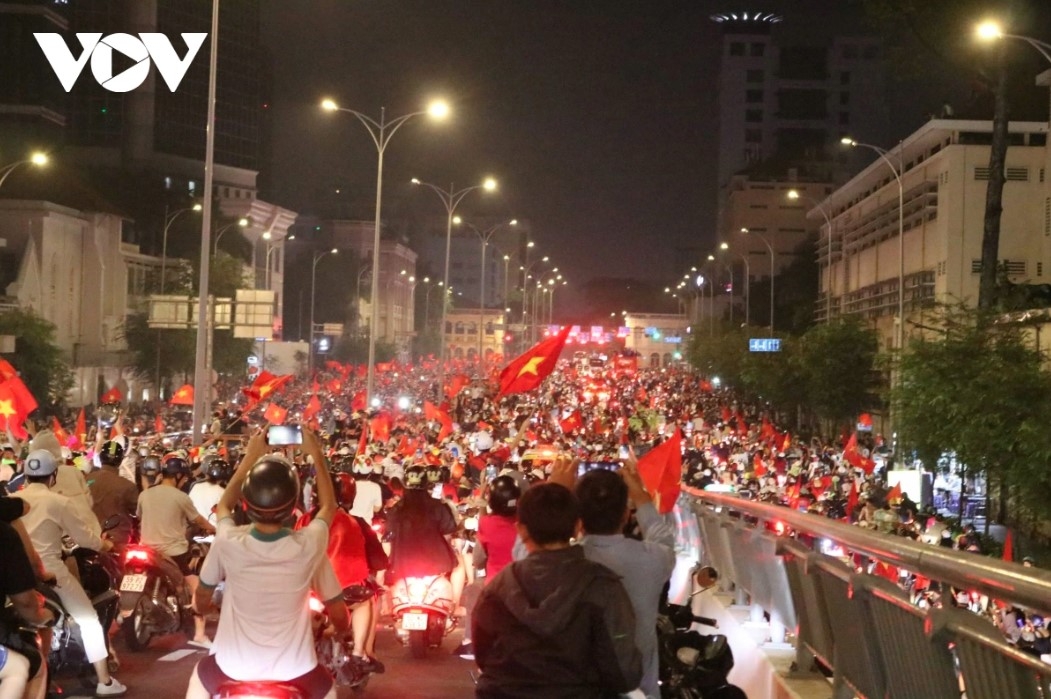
pixel 555 626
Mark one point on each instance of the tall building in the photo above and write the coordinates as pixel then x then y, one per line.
pixel 792 100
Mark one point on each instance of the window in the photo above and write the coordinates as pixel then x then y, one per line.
pixel 1017 174
pixel 757 49
pixel 754 76
pixel 191 187
pixel 844 118
pixel 844 77
pixel 981 174
pixel 753 136
pixel 489 328
pixel 753 96
pixel 753 115
pixel 844 98
pixel 737 48
pixel 1039 269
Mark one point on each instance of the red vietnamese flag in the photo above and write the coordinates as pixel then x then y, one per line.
pixel 312 409
pixel 433 412
pixel 787 444
pixel 865 420
pixel 379 426
pixel 335 366
pixel 759 466
pixel 184 396
pixel 158 424
pixel 405 447
pixel 6 370
pixel 364 439
pixel 661 472
pixel 273 385
pixel 852 500
pixel 530 368
pixel 275 414
pixel 455 385
pixel 357 402
pixel 384 367
pixel 82 428
pixel 853 456
pixel 11 416
pixel 894 493
pixel 61 434
pixel 1009 547
pixel 334 386
pixel 572 422
pixel 111 396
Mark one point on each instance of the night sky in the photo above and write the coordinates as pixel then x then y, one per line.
pixel 596 116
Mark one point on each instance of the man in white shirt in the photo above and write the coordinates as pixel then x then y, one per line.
pixel 205 495
pixel 51 516
pixel 369 499
pixel 264 626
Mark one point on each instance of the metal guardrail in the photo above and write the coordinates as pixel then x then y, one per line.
pixel 878 644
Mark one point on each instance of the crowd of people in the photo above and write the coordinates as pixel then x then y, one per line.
pixel 547 468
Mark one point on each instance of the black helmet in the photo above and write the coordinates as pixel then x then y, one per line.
pixel 436 474
pixel 218 469
pixel 175 465
pixel 270 490
pixel 416 477
pixel 151 468
pixel 112 453
pixel 503 496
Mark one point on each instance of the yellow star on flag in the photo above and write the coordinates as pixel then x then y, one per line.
pixel 531 366
pixel 182 393
pixel 7 408
pixel 264 390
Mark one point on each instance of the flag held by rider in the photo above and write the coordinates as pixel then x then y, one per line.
pixel 529 369
pixel 661 472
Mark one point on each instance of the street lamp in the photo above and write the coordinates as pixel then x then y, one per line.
pixel 451 199
pixel 991 31
pixel 747 283
pixel 526 269
pixel 269 250
pixel 484 237
pixel 730 269
pixel 899 171
pixel 38 159
pixel 772 263
pixel 240 223
pixel 313 290
pixel 381 132
pixel 169 219
pixel 794 195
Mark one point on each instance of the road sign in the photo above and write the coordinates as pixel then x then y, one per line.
pixel 759 344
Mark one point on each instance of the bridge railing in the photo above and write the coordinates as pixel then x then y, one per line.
pixel 865 628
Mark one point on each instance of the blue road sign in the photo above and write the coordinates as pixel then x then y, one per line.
pixel 760 344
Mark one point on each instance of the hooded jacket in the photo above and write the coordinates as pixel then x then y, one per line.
pixel 555 626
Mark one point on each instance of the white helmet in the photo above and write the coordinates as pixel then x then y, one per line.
pixel 41 463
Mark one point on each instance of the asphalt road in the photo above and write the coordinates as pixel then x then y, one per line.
pixel 163 670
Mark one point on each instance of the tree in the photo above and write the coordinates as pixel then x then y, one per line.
pixel 38 359
pixel 354 349
pixel 837 365
pixel 977 389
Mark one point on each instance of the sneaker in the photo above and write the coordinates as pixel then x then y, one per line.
pixel 465 650
pixel 113 689
pixel 204 643
pixel 375 666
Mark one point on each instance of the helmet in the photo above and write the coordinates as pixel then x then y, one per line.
pixel 175 465
pixel 416 477
pixel 270 490
pixel 361 466
pixel 346 489
pixel 217 469
pixel 112 453
pixel 503 496
pixel 151 466
pixel 41 464
pixel 437 474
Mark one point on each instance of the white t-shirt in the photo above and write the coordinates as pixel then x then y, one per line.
pixel 165 512
pixel 368 500
pixel 264 627
pixel 205 496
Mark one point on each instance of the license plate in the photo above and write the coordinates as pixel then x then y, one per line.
pixel 133 583
pixel 412 621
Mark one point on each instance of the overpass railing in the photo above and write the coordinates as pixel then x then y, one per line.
pixel 876 641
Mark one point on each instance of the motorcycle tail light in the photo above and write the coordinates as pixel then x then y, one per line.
pixel 141 555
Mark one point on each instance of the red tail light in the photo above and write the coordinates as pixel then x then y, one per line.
pixel 779 528
pixel 141 555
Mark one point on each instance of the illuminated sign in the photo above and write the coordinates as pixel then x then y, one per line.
pixel 757 344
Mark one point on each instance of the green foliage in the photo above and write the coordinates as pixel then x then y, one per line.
pixel 836 362
pixel 355 350
pixel 979 390
pixel 37 358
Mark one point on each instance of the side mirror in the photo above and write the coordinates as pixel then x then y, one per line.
pixel 705 577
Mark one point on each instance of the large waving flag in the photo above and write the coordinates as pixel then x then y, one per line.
pixel 184 396
pixel 661 472
pixel 529 369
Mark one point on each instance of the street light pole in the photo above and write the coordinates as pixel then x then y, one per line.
pixel 313 290
pixel 381 132
pixel 484 237
pixel 794 195
pixel 772 271
pixel 38 159
pixel 899 172
pixel 988 31
pixel 241 223
pixel 451 199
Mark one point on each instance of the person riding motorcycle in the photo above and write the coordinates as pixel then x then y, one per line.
pixel 419 528
pixel 49 519
pixel 272 641
pixel 113 494
pixel 164 513
pixel 205 494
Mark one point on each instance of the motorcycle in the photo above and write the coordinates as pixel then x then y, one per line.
pixel 99 575
pixel 333 653
pixel 259 690
pixel 422 609
pixel 154 599
pixel 693 665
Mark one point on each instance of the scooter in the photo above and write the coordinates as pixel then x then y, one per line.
pixel 692 665
pixel 154 597
pixel 422 609
pixel 333 654
pixel 99 576
pixel 259 690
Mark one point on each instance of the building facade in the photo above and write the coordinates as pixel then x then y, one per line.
pixel 467 329
pixel 946 172
pixel 658 338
